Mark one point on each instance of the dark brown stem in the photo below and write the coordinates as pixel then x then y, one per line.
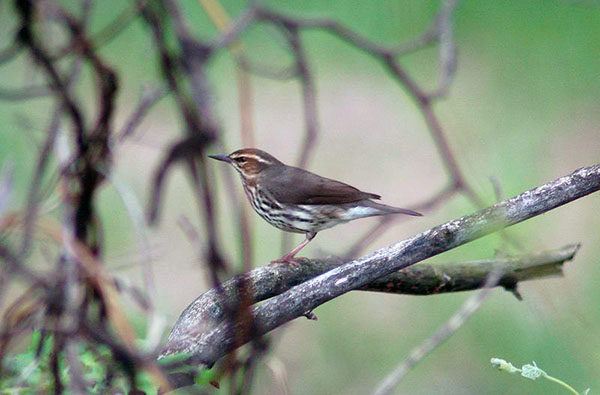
pixel 150 96
pixel 308 98
pixel 10 52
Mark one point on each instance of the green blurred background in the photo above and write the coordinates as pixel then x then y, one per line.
pixel 524 107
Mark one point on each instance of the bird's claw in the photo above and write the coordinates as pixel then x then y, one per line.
pixel 292 261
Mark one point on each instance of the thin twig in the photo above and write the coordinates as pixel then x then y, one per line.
pixel 6 184
pixel 447 47
pixel 308 98
pixel 134 210
pixel 26 36
pixel 267 71
pixel 222 21
pixel 10 52
pixel 220 18
pixel 457 320
pixel 109 32
pixel 26 93
pixel 150 96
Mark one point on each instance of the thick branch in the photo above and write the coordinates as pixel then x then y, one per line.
pixel 210 344
pixel 424 279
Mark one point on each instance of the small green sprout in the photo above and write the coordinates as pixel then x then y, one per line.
pixel 532 372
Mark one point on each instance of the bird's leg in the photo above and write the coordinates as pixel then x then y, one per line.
pixel 289 257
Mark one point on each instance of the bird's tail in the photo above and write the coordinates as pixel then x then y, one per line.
pixel 383 209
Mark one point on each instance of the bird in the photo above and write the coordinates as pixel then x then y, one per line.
pixel 296 200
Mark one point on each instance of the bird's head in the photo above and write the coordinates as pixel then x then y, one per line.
pixel 249 162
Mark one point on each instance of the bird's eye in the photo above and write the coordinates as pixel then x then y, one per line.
pixel 240 160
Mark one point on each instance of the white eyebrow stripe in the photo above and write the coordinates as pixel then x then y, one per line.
pixel 262 160
pixel 256 158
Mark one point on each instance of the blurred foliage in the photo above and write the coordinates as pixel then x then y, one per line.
pixel 31 372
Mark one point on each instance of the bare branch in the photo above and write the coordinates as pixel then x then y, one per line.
pixel 12 264
pixel 26 93
pixel 221 20
pixel 266 70
pixel 150 96
pixel 10 52
pixel 58 85
pixel 109 32
pixel 6 184
pixel 210 344
pixel 447 48
pixel 423 279
pixel 42 162
pixel 457 320
pixel 308 97
pixel 135 212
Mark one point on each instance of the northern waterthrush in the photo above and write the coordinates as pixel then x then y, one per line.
pixel 296 200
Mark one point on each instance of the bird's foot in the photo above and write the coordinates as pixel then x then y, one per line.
pixel 292 261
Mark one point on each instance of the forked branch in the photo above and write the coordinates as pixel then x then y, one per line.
pixel 424 279
pixel 208 343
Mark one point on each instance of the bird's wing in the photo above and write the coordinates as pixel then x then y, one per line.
pixel 297 186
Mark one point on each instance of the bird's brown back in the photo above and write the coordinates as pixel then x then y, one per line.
pixel 292 185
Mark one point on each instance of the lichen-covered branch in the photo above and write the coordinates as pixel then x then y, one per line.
pixel 424 279
pixel 209 343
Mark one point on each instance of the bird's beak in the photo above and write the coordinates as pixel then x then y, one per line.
pixel 222 158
